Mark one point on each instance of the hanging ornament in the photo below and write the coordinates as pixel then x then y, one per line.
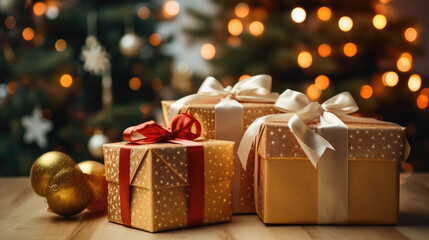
pixel 69 192
pixel 96 142
pixel 130 44
pixel 96 176
pixel 45 167
pixel 36 128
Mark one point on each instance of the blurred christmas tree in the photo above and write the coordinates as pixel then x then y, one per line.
pixel 75 70
pixel 323 47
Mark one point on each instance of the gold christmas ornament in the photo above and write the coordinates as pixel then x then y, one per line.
pixel 45 167
pixel 96 142
pixel 130 44
pixel 69 192
pixel 96 176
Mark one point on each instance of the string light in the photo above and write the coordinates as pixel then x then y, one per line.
pixel 305 59
pixel 422 101
pixel 242 10
pixel 208 51
pixel 410 34
pixel 404 63
pixel 324 13
pixel 414 82
pixel 135 83
pixel 66 80
pixel 366 91
pixel 60 45
pixel 39 8
pixel 234 41
pixel 385 1
pixel 324 50
pixel 171 9
pixel 321 82
pixel 379 21
pixel 143 12
pixel 390 79
pixel 28 34
pixel 235 27
pixel 155 39
pixel 256 28
pixel 350 49
pixel 298 15
pixel 425 91
pixel 244 77
pixel 345 24
pixel 52 12
pixel 10 22
pixel 313 92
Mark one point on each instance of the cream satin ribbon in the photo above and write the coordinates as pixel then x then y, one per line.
pixel 228 110
pixel 332 134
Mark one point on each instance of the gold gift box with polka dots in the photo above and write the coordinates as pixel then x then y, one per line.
pixel 159 184
pixel 205 114
pixel 288 182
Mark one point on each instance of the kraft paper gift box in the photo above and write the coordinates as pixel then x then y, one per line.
pixel 361 189
pixel 204 106
pixel 159 196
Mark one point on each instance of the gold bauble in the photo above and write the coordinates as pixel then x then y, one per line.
pixel 96 176
pixel 45 167
pixel 69 192
pixel 130 44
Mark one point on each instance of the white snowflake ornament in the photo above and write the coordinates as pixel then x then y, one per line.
pixel 36 128
pixel 96 58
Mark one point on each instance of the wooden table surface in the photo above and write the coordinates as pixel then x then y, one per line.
pixel 24 215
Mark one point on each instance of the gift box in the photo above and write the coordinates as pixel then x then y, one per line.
pixel 205 108
pixel 336 169
pixel 162 180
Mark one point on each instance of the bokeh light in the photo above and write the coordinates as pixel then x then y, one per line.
pixel 12 87
pixel 324 50
pixel 256 28
pixel 425 91
pixel 305 59
pixel 260 13
pixel 414 82
pixel 322 82
pixel 366 91
pixel 234 41
pixel 235 27
pixel 404 62
pixel 345 23
pixel 28 34
pixel 143 12
pixel 298 15
pixel 422 101
pixel 244 77
pixel 52 12
pixel 390 79
pixel 171 9
pixel 135 83
pixel 157 84
pixel 10 22
pixel 242 10
pixel 379 21
pixel 313 92
pixel 350 49
pixel 208 51
pixel 324 13
pixel 39 8
pixel 60 45
pixel 410 34
pixel 66 80
pixel 155 39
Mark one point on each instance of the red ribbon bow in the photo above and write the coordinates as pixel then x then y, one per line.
pixel 180 132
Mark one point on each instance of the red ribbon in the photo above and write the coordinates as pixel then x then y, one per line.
pixel 180 132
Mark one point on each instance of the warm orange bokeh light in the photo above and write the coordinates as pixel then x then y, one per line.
pixel 405 62
pixel 425 91
pixel 260 13
pixel 379 21
pixel 12 87
pixel 350 49
pixel 256 28
pixel 345 24
pixel 414 82
pixel 322 82
pixel 171 9
pixel 242 10
pixel 60 45
pixel 235 27
pixel 28 34
pixel 422 101
pixel 366 91
pixel 143 12
pixel 135 83
pixel 305 59
pixel 155 39
pixel 313 92
pixel 234 41
pixel 324 50
pixel 208 51
pixel 298 15
pixel 244 77
pixel 39 8
pixel 10 22
pixel 324 13
pixel 410 34
pixel 66 80
pixel 390 79
pixel 157 84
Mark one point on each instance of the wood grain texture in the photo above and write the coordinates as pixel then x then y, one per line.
pixel 24 215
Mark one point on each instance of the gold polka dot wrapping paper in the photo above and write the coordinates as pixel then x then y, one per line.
pixel 205 114
pixel 159 184
pixel 287 190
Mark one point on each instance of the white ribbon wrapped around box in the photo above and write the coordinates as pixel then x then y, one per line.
pixel 327 149
pixel 228 122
